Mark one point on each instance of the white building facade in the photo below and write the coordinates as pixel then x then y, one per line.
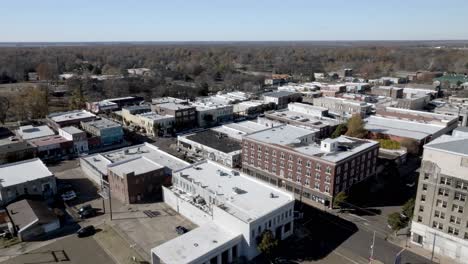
pixel 210 194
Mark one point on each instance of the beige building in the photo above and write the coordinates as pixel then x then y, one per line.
pixel 441 210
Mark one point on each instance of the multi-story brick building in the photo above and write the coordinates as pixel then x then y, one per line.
pixel 289 158
pixel 439 222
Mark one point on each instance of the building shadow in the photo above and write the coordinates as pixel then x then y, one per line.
pixel 317 234
pixel 84 188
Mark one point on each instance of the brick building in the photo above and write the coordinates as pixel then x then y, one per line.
pixel 185 115
pixel 315 173
pixel 137 180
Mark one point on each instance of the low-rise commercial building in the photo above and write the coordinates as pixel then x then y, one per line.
pixel 53 148
pixel 13 149
pixel 281 98
pixel 28 177
pixel 342 107
pixel 71 118
pixel 399 124
pixel 440 212
pixel 137 180
pixel 108 131
pixel 79 138
pixel 388 91
pixel 252 108
pixel 32 132
pixel 232 210
pixel 185 115
pixel 239 129
pixel 32 219
pixel 154 124
pixel 289 158
pixel 302 115
pixel 213 145
pixel 95 166
pixel 210 114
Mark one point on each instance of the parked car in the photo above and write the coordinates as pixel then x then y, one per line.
pixel 86 231
pixel 68 196
pixel 90 212
pixel 84 208
pixel 181 230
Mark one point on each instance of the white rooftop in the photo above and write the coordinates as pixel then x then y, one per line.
pixel 151 152
pixel 346 147
pixel 282 135
pixel 139 165
pixel 175 106
pixel 237 130
pixel 71 130
pixel 23 171
pixel 242 196
pixel 71 115
pixel 193 245
pixel 103 123
pixel 306 119
pixel 155 116
pixel 31 132
pixel 401 128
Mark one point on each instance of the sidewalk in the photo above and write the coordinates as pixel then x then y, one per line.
pixel 408 245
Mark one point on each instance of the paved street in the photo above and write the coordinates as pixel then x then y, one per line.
pixel 70 250
pixel 331 238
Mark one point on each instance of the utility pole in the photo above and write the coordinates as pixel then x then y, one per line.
pixel 371 258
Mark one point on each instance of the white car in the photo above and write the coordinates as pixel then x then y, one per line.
pixel 70 195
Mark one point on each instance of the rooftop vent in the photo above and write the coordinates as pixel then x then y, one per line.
pixel 238 190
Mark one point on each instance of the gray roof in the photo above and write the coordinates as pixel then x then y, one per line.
pixel 30 132
pixel 25 212
pixel 72 130
pixel 282 135
pixel 23 171
pixel 279 94
pixel 216 140
pixel 457 145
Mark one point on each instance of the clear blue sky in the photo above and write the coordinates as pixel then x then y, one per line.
pixel 204 20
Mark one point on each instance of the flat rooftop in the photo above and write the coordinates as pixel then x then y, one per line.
pixel 23 171
pixel 31 132
pixel 215 140
pixel 279 94
pixel 304 119
pixel 155 116
pixel 151 152
pixel 139 165
pixel 193 245
pixel 175 106
pixel 282 135
pixel 44 141
pixel 346 147
pixel 237 130
pixel 71 115
pixel 72 130
pixel 240 195
pixel 163 100
pixel 103 123
pixel 401 128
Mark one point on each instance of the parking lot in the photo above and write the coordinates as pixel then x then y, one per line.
pixel 70 249
pixel 142 226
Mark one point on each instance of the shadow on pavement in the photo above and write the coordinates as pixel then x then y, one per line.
pixel 317 235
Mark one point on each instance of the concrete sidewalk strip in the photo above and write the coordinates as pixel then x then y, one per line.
pixel 116 247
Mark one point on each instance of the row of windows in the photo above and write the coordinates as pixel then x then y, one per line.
pixel 451 230
pixel 285 216
pixel 444 192
pixel 443 204
pixel 299 161
pixel 459 184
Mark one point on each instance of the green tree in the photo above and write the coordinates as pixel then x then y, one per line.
pixel 340 130
pixel 268 243
pixel 340 199
pixel 395 221
pixel 356 127
pixel 408 209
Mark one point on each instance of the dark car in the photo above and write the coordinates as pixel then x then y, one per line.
pixel 88 213
pixel 86 231
pixel 85 208
pixel 181 230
